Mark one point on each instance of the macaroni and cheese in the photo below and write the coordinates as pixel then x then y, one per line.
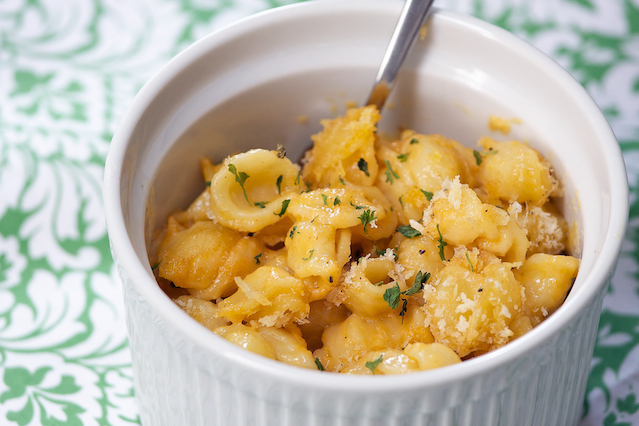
pixel 374 256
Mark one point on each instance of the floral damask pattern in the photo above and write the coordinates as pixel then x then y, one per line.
pixel 68 71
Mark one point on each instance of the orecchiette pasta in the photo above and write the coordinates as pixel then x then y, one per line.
pixel 376 256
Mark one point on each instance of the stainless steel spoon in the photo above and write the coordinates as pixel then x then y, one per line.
pixel 410 21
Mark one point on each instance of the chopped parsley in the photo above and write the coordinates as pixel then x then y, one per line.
pixel 208 183
pixel 390 173
pixel 320 367
pixel 427 194
pixel 281 151
pixel 310 254
pixel 402 313
pixel 290 235
pixel 372 365
pixel 154 267
pixel 366 218
pixel 413 141
pixel 337 201
pixel 391 296
pixel 297 179
pixel 403 157
pixel 363 166
pixel 342 181
pixel 472 269
pixel 418 284
pixel 408 231
pixel 325 198
pixel 401 202
pixel 257 258
pixel 240 178
pixel 279 184
pixel 378 284
pixel 308 186
pixel 285 204
pixel 478 158
pixel 478 155
pixel 314 218
pixel 260 204
pixel 442 244
pixel 356 207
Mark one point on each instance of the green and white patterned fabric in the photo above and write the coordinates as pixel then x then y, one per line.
pixel 69 68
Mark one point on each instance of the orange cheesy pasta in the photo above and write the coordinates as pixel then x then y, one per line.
pixel 374 256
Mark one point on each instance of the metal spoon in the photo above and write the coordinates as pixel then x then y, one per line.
pixel 410 21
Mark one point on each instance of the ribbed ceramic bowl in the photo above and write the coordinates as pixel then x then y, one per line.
pixel 244 87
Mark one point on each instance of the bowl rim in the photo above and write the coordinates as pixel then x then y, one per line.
pixel 125 255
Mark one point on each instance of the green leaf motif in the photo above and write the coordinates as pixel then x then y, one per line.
pixel 41 94
pixel 628 405
pixel 614 355
pixel 594 56
pixel 583 3
pixel 67 386
pixel 27 81
pixel 69 409
pixel 18 379
pixel 24 416
pixel 611 420
pixel 632 16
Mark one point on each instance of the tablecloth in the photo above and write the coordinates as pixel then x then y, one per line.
pixel 69 68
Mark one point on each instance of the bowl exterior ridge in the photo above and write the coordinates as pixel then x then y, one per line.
pixel 543 388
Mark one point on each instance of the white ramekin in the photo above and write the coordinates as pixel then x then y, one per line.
pixel 246 86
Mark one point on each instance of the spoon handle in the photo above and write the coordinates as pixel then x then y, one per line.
pixel 410 21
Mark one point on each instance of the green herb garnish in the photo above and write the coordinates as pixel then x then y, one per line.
pixel 418 284
pixel 325 198
pixel 402 313
pixel 260 204
pixel 208 183
pixel 366 218
pixel 310 254
pixel 441 245
pixel 285 204
pixel 281 151
pixel 472 269
pixel 320 367
pixel 427 194
pixel 154 267
pixel 391 296
pixel 240 178
pixel 337 201
pixel 478 155
pixel 357 207
pixel 342 181
pixel 408 231
pixel 403 157
pixel 363 166
pixel 279 184
pixel 401 202
pixel 257 258
pixel 413 141
pixel 297 179
pixel 290 235
pixel 390 173
pixel 372 365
